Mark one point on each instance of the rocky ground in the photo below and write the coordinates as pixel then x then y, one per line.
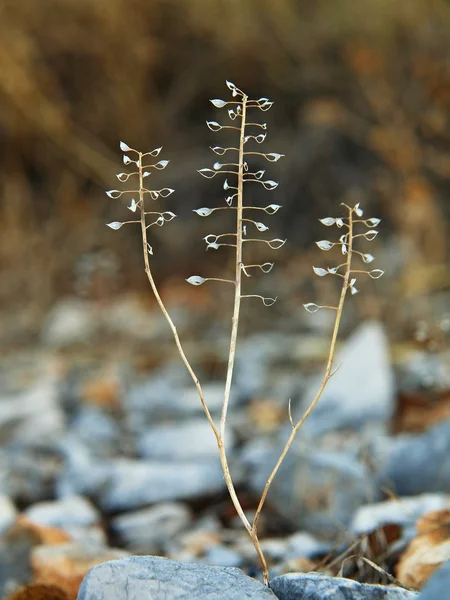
pixel 105 453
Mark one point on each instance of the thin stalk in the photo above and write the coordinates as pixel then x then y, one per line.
pixel 327 375
pixel 237 292
pixel 161 303
pixel 218 436
pixel 232 353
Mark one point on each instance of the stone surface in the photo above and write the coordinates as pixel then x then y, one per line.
pixel 15 547
pixel 438 586
pixel 8 514
pixel 154 578
pixel 133 484
pixel 32 415
pixel 361 390
pixel 401 511
pixel 313 586
pixel 317 491
pixel 96 429
pixel 65 565
pixel 419 463
pixel 185 440
pixel 67 513
pixel 70 321
pixel 147 530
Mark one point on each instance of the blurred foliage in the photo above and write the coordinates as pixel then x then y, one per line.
pixel 362 93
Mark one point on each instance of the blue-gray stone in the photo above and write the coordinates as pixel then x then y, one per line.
pixel 361 390
pixel 315 490
pixel 438 586
pixel 148 530
pixel 419 463
pixel 71 512
pixel 192 439
pixel 155 578
pixel 314 586
pixel 133 483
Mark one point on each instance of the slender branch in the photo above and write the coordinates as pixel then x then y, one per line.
pixel 326 377
pixel 162 306
pixel 237 294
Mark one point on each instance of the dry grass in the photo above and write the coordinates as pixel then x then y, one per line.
pixel 365 91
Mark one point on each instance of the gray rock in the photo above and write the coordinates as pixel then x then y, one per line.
pixel 155 578
pixel 419 463
pixel 97 430
pixel 313 586
pixel 361 390
pixel 81 474
pixel 15 568
pixel 133 484
pixel 401 511
pixel 8 514
pixel 304 545
pixel 438 586
pixel 127 316
pixel 28 474
pixel 168 395
pixel 67 513
pixel 315 490
pixel 186 440
pixel 148 530
pixel 70 321
pixel 33 415
pixel 222 556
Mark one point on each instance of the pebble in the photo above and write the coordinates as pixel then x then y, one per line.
pixel 401 511
pixel 8 514
pixel 67 513
pixel 70 321
pixel 315 490
pixel 135 483
pixel 313 586
pixel 149 530
pixel 187 440
pixel 362 389
pixel 419 463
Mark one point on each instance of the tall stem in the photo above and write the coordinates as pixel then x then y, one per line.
pixel 161 303
pixel 218 435
pixel 326 377
pixel 238 273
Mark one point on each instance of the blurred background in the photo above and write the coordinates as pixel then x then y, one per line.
pixel 94 401
pixel 361 94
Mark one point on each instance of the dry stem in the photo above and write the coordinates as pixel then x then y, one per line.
pixel 328 373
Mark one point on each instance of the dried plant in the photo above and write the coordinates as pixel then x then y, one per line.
pixel 249 131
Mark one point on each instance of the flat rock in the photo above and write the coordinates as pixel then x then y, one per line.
pixel 315 490
pixel 419 463
pixel 186 440
pixel 313 586
pixel 155 578
pixel 75 511
pixel 133 483
pixel 401 511
pixel 147 530
pixel 361 390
